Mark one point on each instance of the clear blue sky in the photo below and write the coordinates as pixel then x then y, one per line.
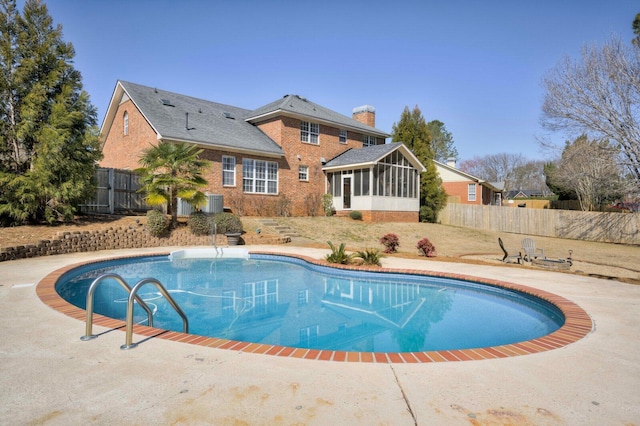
pixel 475 65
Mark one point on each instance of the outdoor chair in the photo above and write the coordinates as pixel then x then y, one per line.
pixel 530 250
pixel 515 255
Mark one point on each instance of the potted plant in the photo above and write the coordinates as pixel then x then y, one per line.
pixel 230 225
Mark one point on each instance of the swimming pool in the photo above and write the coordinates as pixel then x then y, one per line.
pixel 315 307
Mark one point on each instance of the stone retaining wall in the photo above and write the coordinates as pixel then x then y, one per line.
pixel 119 238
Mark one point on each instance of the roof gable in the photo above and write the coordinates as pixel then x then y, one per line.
pixel 371 155
pixel 187 119
pixel 451 174
pixel 294 105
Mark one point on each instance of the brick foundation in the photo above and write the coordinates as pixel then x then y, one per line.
pixel 383 216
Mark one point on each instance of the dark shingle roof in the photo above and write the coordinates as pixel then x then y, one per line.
pixel 209 123
pixel 300 106
pixel 367 154
pixel 370 155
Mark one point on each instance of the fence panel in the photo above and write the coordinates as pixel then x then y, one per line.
pixel 621 228
pixel 125 192
pixel 117 192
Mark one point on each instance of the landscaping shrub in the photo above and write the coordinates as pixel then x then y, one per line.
pixel 283 206
pixel 427 214
pixel 200 223
pixel 327 204
pixel 338 255
pixel 370 256
pixel 355 215
pixel 228 223
pixel 391 242
pixel 157 223
pixel 426 248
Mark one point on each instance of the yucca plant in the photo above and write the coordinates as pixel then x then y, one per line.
pixel 370 256
pixel 338 255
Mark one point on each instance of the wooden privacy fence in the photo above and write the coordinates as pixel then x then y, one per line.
pixel 117 192
pixel 591 226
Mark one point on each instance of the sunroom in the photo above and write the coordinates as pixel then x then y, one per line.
pixel 380 181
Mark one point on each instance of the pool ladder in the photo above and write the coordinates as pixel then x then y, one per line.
pixel 133 296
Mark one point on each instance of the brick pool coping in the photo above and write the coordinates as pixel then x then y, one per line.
pixel 577 323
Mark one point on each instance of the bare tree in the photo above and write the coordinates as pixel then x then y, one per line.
pixel 599 97
pixel 516 171
pixel 589 168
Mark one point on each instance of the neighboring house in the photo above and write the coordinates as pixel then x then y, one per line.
pixel 523 193
pixel 277 159
pixel 464 188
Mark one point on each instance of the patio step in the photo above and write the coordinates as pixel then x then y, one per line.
pixel 283 230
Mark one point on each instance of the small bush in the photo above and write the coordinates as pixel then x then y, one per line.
pixel 355 215
pixel 327 204
pixel 370 256
pixel 391 242
pixel 427 214
pixel 426 248
pixel 338 255
pixel 228 223
pixel 283 206
pixel 312 203
pixel 157 223
pixel 200 223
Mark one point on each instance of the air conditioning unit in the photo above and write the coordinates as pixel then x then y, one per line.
pixel 184 208
pixel 214 204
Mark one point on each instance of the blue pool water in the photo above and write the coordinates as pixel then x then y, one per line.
pixel 286 301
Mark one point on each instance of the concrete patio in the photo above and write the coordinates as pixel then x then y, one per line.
pixel 51 377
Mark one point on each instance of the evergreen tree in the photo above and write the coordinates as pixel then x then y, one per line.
pixel 172 170
pixel 441 141
pixel 412 130
pixel 563 193
pixel 48 135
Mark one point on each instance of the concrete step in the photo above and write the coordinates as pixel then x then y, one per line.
pixel 280 229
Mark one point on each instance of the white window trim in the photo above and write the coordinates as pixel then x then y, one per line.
pixel 471 195
pixel 368 140
pixel 303 170
pixel 343 134
pixel 308 130
pixel 125 119
pixel 233 170
pixel 251 174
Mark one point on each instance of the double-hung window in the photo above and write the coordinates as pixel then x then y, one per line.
pixel 471 192
pixel 343 136
pixel 368 140
pixel 310 132
pixel 228 171
pixel 125 120
pixel 303 173
pixel 259 176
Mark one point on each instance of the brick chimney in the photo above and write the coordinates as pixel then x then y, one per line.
pixel 366 114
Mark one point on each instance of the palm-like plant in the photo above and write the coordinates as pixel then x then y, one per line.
pixel 172 170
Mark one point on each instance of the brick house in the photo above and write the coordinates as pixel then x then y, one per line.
pixel 280 158
pixel 464 188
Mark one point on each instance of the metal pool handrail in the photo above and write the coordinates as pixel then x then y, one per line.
pixel 92 289
pixel 132 296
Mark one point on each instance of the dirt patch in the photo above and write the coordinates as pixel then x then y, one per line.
pixel 453 244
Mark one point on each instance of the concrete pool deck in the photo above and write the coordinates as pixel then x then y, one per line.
pixel 49 376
